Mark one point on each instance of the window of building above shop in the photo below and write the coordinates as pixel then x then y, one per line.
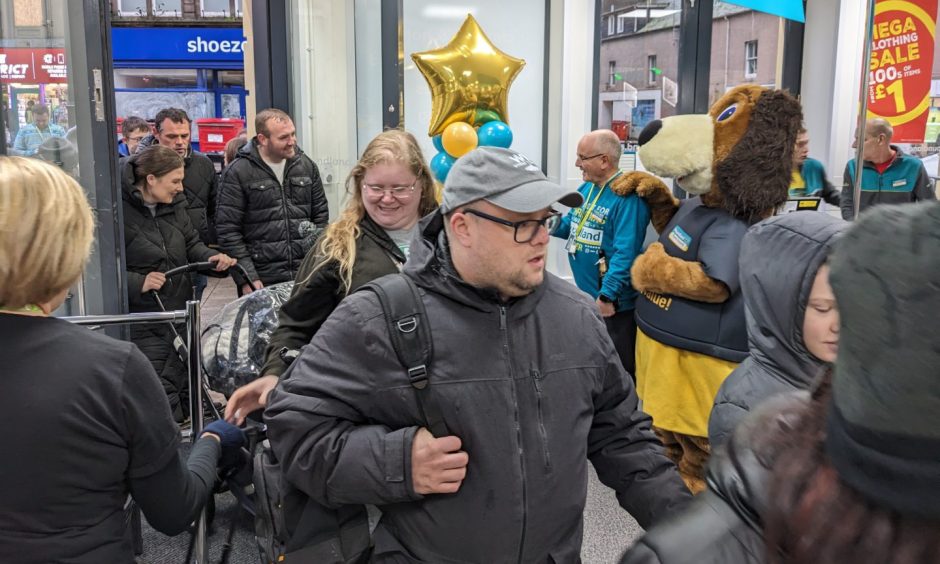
pixel 750 59
pixel 168 8
pixel 132 7
pixel 221 7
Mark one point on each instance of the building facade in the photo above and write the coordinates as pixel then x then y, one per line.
pixel 182 53
pixel 639 58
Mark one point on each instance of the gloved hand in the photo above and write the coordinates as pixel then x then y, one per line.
pixel 232 440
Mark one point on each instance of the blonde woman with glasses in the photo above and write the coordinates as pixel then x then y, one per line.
pixel 389 189
pixel 84 418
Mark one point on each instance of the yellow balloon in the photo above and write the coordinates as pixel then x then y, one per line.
pixel 459 139
pixel 466 76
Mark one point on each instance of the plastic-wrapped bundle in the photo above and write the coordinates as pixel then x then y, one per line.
pixel 234 341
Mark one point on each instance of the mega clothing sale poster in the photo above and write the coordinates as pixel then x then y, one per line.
pixel 900 67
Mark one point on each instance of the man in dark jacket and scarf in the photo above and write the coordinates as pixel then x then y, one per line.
pixel 271 203
pixel 780 260
pixel 528 381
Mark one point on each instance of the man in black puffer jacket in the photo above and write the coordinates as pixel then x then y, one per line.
pixel 270 202
pixel 200 183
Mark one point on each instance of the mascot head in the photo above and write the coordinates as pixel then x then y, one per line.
pixel 738 157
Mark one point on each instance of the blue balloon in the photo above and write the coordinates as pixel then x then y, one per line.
pixel 440 165
pixel 495 134
pixel 438 144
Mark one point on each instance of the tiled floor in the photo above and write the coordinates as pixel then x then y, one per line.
pixel 218 293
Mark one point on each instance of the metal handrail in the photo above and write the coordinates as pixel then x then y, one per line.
pixel 128 319
pixel 192 318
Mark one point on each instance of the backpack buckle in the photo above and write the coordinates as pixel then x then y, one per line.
pixel 407 325
pixel 418 376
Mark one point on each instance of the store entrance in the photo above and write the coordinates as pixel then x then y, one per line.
pixel 57 101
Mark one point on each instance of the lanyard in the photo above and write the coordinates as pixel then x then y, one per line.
pixel 587 212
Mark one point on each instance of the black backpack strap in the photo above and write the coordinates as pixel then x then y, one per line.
pixel 410 332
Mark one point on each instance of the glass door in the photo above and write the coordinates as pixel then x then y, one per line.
pixel 57 104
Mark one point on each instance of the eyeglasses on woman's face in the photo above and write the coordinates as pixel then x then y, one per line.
pixel 399 192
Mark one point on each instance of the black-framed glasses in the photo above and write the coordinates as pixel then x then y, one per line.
pixel 582 159
pixel 525 230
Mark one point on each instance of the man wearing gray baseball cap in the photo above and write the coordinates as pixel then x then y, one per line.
pixel 524 374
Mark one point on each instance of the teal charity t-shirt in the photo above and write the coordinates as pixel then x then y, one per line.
pixel 610 224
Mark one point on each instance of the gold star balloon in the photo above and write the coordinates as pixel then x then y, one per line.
pixel 469 78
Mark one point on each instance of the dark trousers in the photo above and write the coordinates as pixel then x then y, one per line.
pixel 621 327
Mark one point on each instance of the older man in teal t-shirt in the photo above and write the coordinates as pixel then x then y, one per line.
pixel 604 237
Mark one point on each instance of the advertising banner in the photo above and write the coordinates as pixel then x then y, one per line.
pixel 790 9
pixel 33 66
pixel 179 47
pixel 901 62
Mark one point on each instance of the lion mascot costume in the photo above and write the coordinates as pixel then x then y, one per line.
pixel 735 162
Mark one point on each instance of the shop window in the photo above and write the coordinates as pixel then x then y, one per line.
pixel 146 79
pixel 631 90
pixel 750 59
pixel 229 79
pixel 132 8
pixel 168 8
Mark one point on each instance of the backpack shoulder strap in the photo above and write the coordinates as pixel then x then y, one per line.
pixel 410 333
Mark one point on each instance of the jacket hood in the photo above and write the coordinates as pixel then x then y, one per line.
pixel 431 267
pixel 741 473
pixel 779 261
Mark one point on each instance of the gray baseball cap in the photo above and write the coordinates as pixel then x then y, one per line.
pixel 503 178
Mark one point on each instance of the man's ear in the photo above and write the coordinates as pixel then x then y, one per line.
pixel 459 228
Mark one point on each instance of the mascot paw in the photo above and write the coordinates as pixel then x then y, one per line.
pixel 657 195
pixel 627 184
pixel 642 273
pixel 658 272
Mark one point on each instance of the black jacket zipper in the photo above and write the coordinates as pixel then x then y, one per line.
pixel 546 455
pixel 515 404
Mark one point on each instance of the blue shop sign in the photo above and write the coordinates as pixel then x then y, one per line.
pixel 178 47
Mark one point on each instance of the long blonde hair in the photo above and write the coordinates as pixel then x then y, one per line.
pixel 338 243
pixel 46 230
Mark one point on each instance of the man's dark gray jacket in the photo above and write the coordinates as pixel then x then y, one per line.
pixel 533 388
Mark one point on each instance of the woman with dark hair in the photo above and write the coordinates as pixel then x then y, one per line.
pixel 851 473
pixel 390 189
pixel 159 236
